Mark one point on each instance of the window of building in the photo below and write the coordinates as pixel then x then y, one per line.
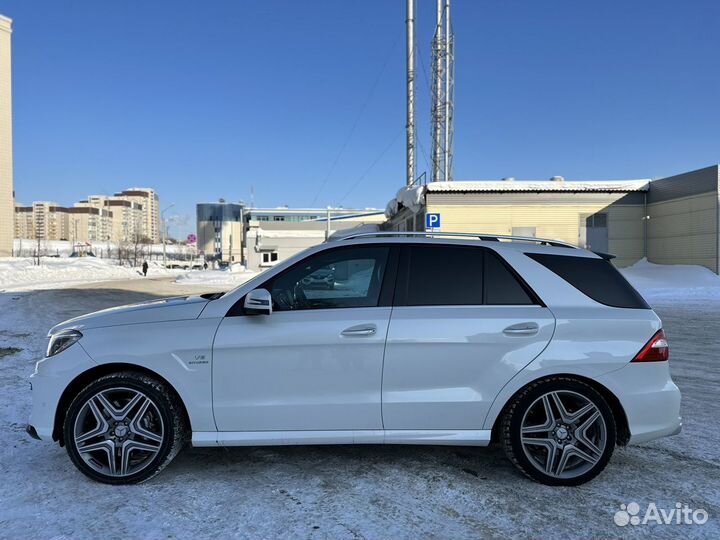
pixel 596 278
pixel 596 221
pixel 269 257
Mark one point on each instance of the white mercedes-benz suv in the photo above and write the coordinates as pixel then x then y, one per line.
pixel 419 339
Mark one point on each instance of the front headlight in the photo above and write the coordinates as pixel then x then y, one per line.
pixel 61 341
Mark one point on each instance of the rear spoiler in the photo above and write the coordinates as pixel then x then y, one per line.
pixel 606 256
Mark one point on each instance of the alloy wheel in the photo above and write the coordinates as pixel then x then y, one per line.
pixel 563 434
pixel 118 431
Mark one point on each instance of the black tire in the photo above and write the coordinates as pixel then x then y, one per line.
pixel 166 403
pixel 512 419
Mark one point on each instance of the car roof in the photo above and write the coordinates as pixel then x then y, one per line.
pixel 502 243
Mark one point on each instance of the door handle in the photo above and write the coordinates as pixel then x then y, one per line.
pixel 522 329
pixel 360 330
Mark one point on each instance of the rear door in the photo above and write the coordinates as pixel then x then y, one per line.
pixel 462 326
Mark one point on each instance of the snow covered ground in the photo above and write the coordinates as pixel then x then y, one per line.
pixel 23 273
pixel 350 492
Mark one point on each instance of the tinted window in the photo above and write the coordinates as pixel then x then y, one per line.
pixel 501 286
pixel 444 275
pixel 341 278
pixel 597 278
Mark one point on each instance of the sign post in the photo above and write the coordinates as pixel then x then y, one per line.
pixel 432 222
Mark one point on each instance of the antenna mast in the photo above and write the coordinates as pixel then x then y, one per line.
pixel 410 126
pixel 443 90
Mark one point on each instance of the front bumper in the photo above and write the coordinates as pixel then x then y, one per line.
pixel 650 398
pixel 50 379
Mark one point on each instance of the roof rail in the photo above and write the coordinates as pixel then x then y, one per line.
pixel 487 237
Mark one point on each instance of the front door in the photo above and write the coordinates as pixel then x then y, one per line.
pixel 315 363
pixel 462 327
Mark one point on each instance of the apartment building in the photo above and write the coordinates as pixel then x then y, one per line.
pixel 88 224
pixel 149 200
pixel 50 221
pixel 127 218
pixel 7 202
pixel 24 226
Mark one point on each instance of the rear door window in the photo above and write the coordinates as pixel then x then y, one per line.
pixel 596 278
pixel 443 276
pixel 437 275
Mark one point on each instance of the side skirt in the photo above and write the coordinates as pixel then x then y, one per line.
pixel 395 436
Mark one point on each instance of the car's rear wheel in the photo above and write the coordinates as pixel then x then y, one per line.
pixel 559 431
pixel 124 428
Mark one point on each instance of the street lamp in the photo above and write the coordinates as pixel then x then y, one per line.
pixel 164 240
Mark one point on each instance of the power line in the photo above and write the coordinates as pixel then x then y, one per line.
pixel 372 165
pixel 355 123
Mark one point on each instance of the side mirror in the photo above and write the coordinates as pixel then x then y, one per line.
pixel 258 302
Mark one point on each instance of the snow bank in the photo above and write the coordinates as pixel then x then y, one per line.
pixel 231 278
pixel 22 273
pixel 667 281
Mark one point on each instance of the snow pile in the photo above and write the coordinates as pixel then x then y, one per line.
pixel 667 281
pixel 411 197
pixel 237 275
pixel 22 273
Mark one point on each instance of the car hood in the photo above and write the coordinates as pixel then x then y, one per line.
pixel 167 309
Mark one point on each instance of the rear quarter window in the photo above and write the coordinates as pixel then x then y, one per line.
pixel 596 278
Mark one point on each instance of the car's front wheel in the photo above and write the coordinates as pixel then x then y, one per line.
pixel 559 431
pixel 124 428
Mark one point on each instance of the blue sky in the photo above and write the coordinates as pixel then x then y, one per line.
pixel 213 99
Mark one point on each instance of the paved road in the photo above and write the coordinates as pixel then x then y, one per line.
pixel 348 492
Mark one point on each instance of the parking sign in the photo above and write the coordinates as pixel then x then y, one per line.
pixel 432 221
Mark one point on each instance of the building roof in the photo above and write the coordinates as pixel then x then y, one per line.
pixel 603 186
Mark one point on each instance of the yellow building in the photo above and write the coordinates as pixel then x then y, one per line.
pixel 670 221
pixel 149 201
pixel 127 218
pixel 88 224
pixel 24 223
pixel 7 202
pixel 50 221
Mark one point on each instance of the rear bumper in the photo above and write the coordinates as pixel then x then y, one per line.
pixel 649 397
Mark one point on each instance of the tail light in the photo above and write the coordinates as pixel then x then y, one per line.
pixel 655 350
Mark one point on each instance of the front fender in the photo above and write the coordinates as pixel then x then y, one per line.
pixel 178 351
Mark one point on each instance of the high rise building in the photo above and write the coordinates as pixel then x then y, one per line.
pixel 220 231
pixel 24 223
pixel 50 221
pixel 7 203
pixel 88 224
pixel 127 218
pixel 150 202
